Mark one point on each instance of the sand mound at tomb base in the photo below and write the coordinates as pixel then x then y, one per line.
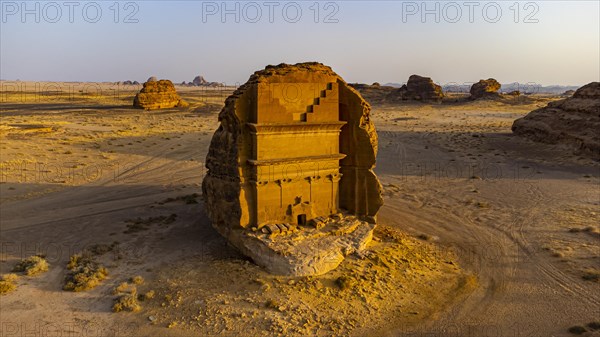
pixel 397 281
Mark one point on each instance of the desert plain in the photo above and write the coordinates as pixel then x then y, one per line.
pixel 482 233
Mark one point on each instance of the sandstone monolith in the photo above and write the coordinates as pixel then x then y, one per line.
pixel 418 88
pixel 290 179
pixel 485 89
pixel 158 95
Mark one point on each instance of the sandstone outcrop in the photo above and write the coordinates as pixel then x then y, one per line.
pixel 200 81
pixel 158 95
pixel 485 89
pixel 290 179
pixel 573 121
pixel 418 88
pixel 374 93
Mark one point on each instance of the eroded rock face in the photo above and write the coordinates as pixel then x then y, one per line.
pixel 199 80
pixel 485 89
pixel 158 95
pixel 574 121
pixel 418 88
pixel 296 148
pixel 374 93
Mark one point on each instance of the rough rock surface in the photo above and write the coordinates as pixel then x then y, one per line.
pixel 418 88
pixel 199 80
pixel 374 93
pixel 485 89
pixel 158 95
pixel 574 121
pixel 290 179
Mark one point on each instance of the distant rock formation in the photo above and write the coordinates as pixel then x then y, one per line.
pixel 374 93
pixel 514 93
pixel 199 81
pixel 158 95
pixel 574 121
pixel 485 89
pixel 418 88
pixel 314 135
pixel 152 79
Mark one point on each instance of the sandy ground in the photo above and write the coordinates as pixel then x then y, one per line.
pixel 482 233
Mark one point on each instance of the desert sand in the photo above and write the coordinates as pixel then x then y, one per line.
pixel 482 233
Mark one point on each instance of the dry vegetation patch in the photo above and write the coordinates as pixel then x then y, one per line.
pixel 143 224
pixel 85 273
pixel 31 266
pixel 7 283
pixel 128 297
pixel 127 300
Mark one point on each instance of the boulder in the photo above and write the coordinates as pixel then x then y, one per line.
pixel 573 122
pixel 485 89
pixel 418 88
pixel 158 95
pixel 296 146
pixel 152 79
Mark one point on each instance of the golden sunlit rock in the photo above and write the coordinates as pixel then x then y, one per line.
pixel 158 95
pixel 290 180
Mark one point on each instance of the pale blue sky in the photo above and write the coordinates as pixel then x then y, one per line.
pixel 372 41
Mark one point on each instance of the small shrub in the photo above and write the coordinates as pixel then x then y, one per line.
pixel 85 273
pixel 121 288
pixel 32 265
pixel 345 282
pixel 577 330
pixel 148 295
pixel 137 280
pixel 594 325
pixel 272 304
pixel 9 277
pixel 424 237
pixel 139 224
pixel 6 287
pixel 482 204
pixel 7 283
pixel 188 199
pixel 591 275
pixel 100 249
pixel 127 302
